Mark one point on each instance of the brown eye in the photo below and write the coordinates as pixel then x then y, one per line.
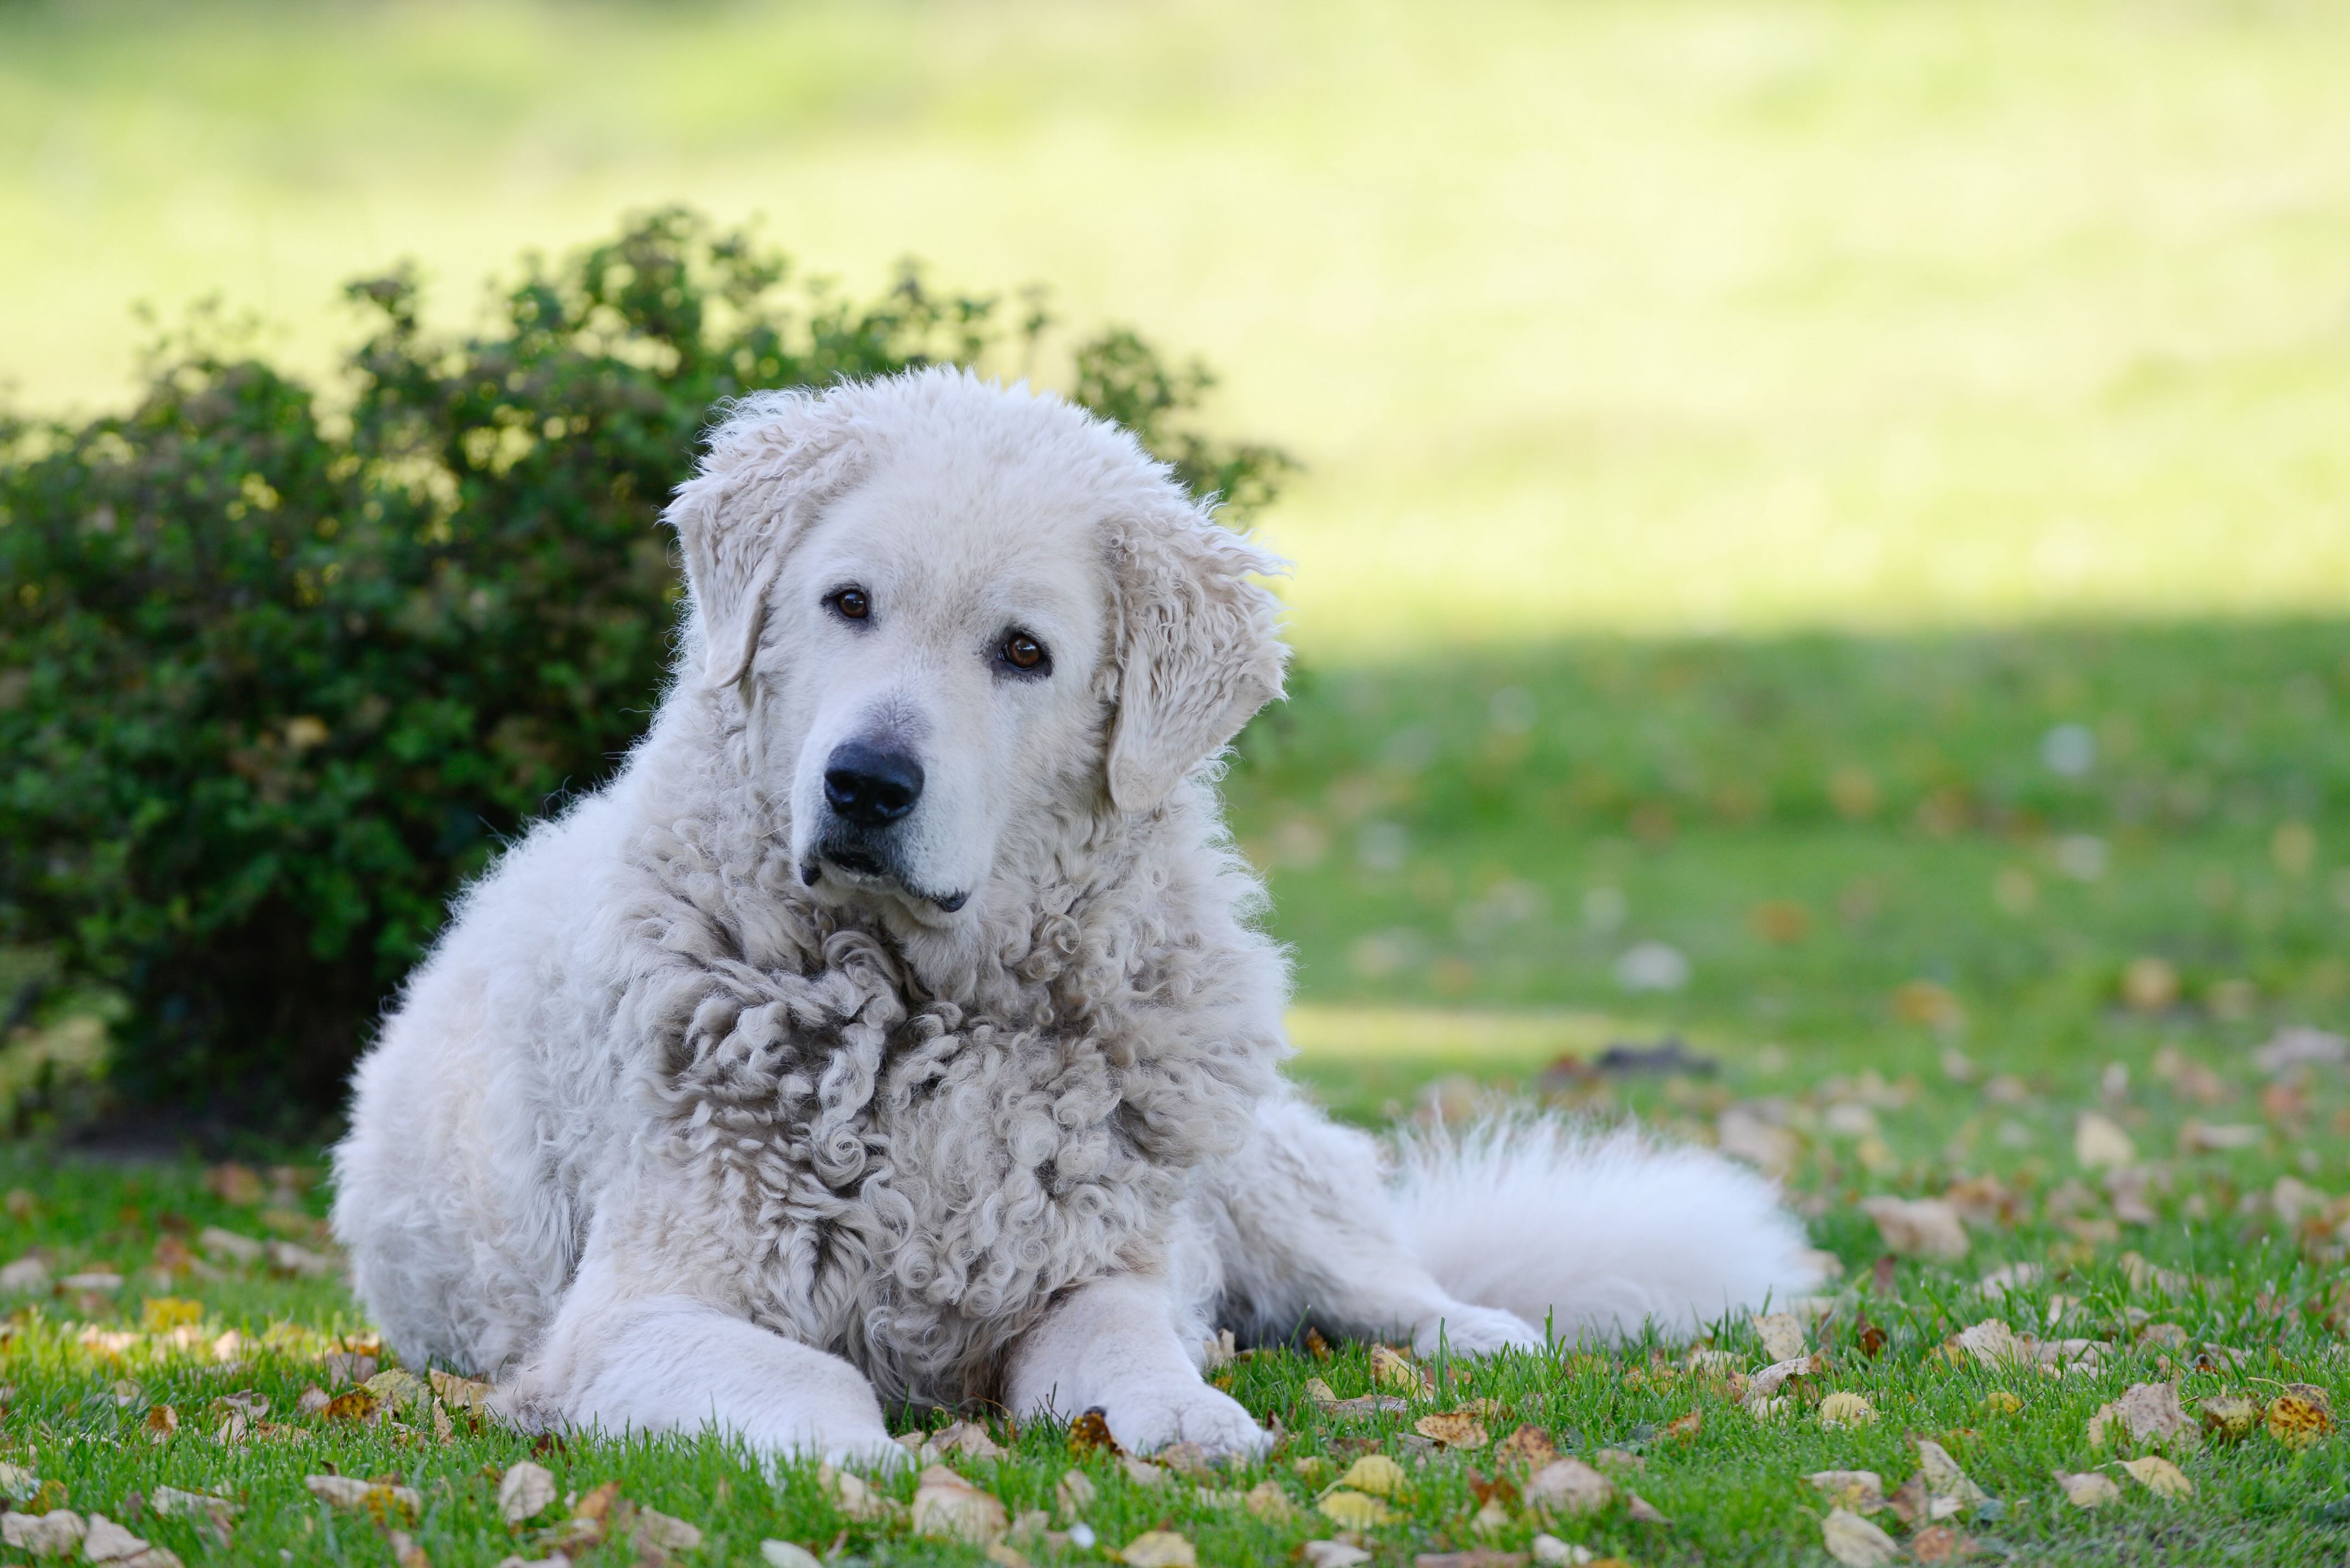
pixel 850 603
pixel 1022 652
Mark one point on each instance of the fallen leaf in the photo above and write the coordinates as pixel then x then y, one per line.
pixel 1844 1408
pixel 970 1438
pixel 1946 1483
pixel 1855 1542
pixel 1992 1344
pixel 399 1390
pixel 313 1400
pixel 1642 1510
pixel 947 1505
pixel 1782 1336
pixel 1862 1491
pixel 1683 1428
pixel 1453 1428
pixel 162 1422
pixel 50 1534
pixel 459 1393
pixel 1141 1471
pixel 1569 1486
pixel 1375 1473
pixel 1074 1493
pixel 1476 1557
pixel 356 1405
pixel 667 1533
pixel 1918 1227
pixel 1551 1551
pixel 2088 1488
pixel 1267 1501
pixel 2228 1416
pixel 2159 1476
pixel 1529 1445
pixel 379 1500
pixel 2099 1143
pixel 2147 1413
pixel 787 1554
pixel 1159 1549
pixel 103 1540
pixel 1354 1510
pixel 1333 1554
pixel 1391 1368
pixel 2300 1416
pixel 1090 1431
pixel 526 1493
pixel 405 1553
pixel 1940 1544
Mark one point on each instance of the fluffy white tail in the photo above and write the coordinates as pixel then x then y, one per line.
pixel 1594 1232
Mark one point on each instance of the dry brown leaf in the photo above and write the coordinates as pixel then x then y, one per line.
pixel 1940 1544
pixel 1855 1542
pixel 853 1497
pixel 103 1540
pixel 1918 1227
pixel 526 1492
pixel 969 1438
pixel 2148 1413
pixel 1354 1510
pixel 947 1505
pixel 1159 1549
pixel 1948 1487
pixel 162 1422
pixel 2087 1489
pixel 1333 1554
pixel 1453 1428
pixel 1862 1491
pixel 1683 1428
pixel 2159 1476
pixel 1642 1510
pixel 1569 1486
pixel 356 1405
pixel 1528 1445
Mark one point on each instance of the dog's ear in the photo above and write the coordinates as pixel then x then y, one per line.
pixel 767 469
pixel 1199 647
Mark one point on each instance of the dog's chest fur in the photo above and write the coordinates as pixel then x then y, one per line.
pixel 907 1182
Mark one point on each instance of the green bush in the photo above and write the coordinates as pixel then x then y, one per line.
pixel 278 673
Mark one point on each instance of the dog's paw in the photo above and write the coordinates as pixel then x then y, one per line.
pixel 1461 1329
pixel 1147 1418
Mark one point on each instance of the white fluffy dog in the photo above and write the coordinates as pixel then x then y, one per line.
pixel 897 1019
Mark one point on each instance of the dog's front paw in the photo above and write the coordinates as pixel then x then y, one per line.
pixel 1147 1418
pixel 1465 1330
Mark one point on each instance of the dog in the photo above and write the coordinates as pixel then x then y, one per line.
pixel 897 1025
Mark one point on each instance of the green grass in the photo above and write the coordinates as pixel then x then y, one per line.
pixel 1699 314
pixel 1685 784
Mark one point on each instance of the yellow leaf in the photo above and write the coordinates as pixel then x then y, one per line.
pixel 1844 1408
pixel 1354 1510
pixel 458 1393
pixel 2297 1420
pixel 1391 1368
pixel 946 1504
pixel 160 1314
pixel 1861 1491
pixel 1374 1473
pixel 2159 1476
pixel 2229 1415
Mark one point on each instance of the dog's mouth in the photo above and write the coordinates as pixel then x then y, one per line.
pixel 852 867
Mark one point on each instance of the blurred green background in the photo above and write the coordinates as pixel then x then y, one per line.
pixel 1824 527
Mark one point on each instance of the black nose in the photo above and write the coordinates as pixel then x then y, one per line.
pixel 869 786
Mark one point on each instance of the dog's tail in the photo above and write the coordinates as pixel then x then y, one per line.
pixel 1593 1232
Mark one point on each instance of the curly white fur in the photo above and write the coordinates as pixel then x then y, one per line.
pixel 694 1116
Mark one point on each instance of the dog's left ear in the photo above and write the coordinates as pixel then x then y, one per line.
pixel 768 467
pixel 1200 648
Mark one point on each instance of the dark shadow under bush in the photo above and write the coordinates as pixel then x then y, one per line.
pixel 276 678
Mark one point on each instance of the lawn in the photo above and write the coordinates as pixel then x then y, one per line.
pixel 2019 925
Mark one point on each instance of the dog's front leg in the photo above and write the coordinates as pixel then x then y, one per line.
pixel 624 1362
pixel 1112 1346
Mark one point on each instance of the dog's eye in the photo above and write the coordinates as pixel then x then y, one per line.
pixel 849 603
pixel 1024 653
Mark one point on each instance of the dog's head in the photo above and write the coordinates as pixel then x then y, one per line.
pixel 957 618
